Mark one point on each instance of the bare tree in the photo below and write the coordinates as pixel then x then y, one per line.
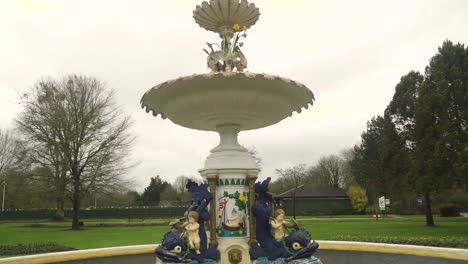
pixel 347 156
pixel 79 132
pixel 328 169
pixel 180 184
pixel 54 170
pixel 294 176
pixel 9 148
pixel 39 125
pixel 8 158
pixel 315 176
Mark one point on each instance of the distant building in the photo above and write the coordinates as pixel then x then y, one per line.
pixel 312 199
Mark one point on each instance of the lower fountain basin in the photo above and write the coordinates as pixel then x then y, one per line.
pixel 330 252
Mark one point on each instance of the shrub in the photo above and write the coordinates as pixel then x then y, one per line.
pixel 35 248
pixel 449 210
pixel 460 199
pixel 358 197
pixel 422 241
pixel 57 218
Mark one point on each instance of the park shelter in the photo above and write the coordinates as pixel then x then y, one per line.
pixel 313 199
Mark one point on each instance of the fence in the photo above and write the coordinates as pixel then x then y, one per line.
pixel 149 212
pixel 303 207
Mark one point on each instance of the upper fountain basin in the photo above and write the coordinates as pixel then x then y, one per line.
pixel 218 15
pixel 206 101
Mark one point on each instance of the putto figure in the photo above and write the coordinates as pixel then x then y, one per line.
pixel 277 224
pixel 201 197
pixel 279 239
pixel 187 241
pixel 192 228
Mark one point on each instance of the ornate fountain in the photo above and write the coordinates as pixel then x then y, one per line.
pixel 229 100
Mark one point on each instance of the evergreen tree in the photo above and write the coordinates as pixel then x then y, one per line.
pixel 400 132
pixel 366 165
pixel 395 160
pixel 402 108
pixel 152 194
pixel 380 162
pixel 441 115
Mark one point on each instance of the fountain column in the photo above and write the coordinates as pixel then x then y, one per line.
pixel 235 171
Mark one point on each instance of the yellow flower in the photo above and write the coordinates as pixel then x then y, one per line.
pixel 244 28
pixel 236 26
pixel 242 198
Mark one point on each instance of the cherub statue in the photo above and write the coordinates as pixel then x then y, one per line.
pixel 278 223
pixel 192 226
pixel 201 197
pixel 187 241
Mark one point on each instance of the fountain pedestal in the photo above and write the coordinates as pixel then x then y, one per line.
pixel 229 170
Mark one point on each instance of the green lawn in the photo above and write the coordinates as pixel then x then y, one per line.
pixel 409 228
pixel 93 237
pixel 404 229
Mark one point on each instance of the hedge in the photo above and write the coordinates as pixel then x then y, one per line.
pixel 150 212
pixel 422 241
pixel 449 210
pixel 36 248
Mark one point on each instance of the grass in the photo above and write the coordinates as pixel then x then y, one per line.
pixel 83 239
pixel 336 216
pixel 120 232
pixel 405 228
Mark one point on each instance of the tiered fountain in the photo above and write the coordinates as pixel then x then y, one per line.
pixel 243 227
pixel 228 100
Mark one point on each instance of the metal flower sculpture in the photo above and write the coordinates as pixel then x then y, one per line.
pixel 229 57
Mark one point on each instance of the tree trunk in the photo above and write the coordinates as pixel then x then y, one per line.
pixel 294 204
pixel 60 186
pixel 429 218
pixel 60 200
pixel 59 213
pixel 76 205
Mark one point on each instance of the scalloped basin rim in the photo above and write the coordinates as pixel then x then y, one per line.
pixel 205 101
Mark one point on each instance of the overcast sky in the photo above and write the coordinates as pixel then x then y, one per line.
pixel 351 54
